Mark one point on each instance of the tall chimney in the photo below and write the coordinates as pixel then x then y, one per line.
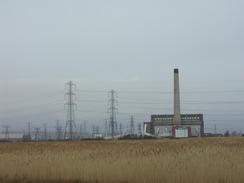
pixel 177 115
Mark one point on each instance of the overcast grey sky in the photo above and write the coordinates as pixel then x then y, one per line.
pixel 129 45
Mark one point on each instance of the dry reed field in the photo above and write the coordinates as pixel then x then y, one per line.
pixel 145 161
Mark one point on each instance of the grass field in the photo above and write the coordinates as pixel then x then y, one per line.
pixel 148 161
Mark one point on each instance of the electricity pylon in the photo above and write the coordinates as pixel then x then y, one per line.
pixel 70 122
pixel 112 109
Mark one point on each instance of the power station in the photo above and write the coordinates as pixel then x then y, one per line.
pixel 175 125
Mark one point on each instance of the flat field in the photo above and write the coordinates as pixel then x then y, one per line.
pixel 217 160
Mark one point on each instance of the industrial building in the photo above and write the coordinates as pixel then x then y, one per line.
pixel 175 125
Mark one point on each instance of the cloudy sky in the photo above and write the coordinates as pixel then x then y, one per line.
pixel 131 46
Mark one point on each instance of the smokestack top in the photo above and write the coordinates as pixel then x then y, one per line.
pixel 176 71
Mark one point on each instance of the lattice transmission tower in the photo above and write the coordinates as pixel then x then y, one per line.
pixel 139 129
pixel 6 132
pixel 112 109
pixel 37 134
pixel 44 135
pixel 70 127
pixel 29 130
pixel 59 133
pixel 132 126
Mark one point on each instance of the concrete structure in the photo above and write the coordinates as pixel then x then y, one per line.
pixel 164 125
pixel 177 117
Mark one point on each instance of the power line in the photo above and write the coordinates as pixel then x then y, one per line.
pixel 160 102
pixel 166 92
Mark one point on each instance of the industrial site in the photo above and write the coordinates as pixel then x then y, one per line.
pixel 131 91
pixel 176 125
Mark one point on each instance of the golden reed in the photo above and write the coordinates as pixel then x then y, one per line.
pixel 217 160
